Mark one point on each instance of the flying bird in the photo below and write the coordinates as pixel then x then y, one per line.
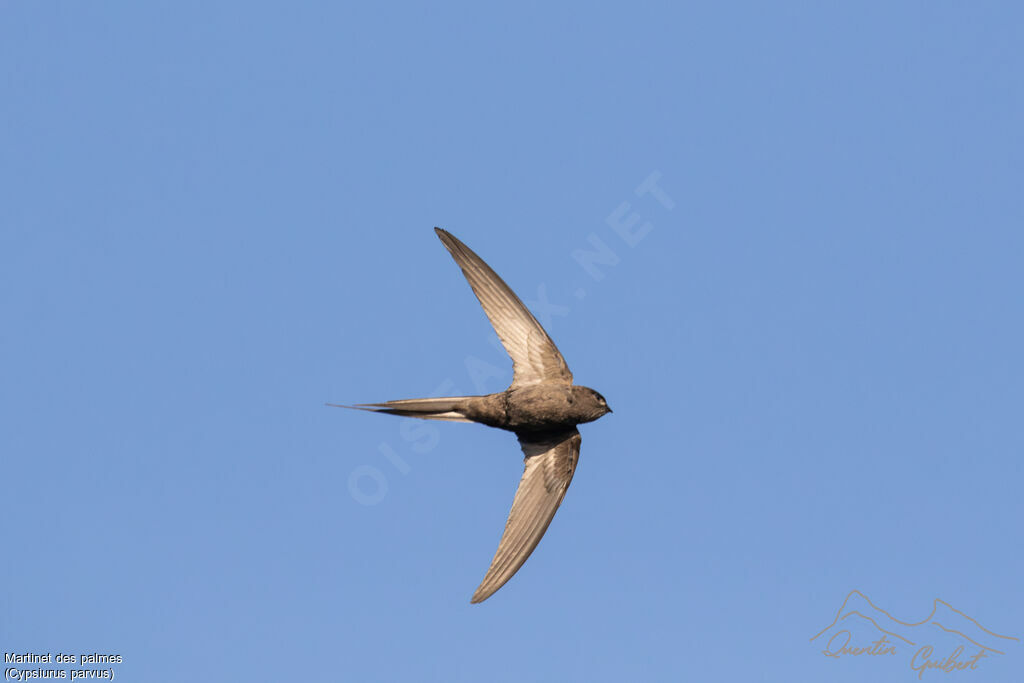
pixel 542 407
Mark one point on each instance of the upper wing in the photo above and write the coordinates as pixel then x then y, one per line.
pixel 550 464
pixel 535 358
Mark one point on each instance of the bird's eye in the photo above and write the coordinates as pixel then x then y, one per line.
pixel 599 397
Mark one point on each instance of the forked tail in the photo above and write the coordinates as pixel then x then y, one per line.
pixel 425 408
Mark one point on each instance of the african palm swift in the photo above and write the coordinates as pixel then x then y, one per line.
pixel 542 407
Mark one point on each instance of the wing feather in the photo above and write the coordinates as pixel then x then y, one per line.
pixel 550 463
pixel 535 358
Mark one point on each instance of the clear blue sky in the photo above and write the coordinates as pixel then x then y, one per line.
pixel 217 217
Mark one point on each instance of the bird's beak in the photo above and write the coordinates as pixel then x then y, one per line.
pixel 609 408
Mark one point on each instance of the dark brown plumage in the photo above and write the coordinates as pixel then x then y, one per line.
pixel 542 407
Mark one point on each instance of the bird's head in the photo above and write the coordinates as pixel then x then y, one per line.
pixel 589 404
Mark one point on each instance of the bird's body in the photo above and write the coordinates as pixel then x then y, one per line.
pixel 535 408
pixel 542 407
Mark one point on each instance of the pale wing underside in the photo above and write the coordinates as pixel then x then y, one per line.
pixel 535 357
pixel 550 464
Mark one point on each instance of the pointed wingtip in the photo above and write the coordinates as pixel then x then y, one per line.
pixel 483 592
pixel 447 239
